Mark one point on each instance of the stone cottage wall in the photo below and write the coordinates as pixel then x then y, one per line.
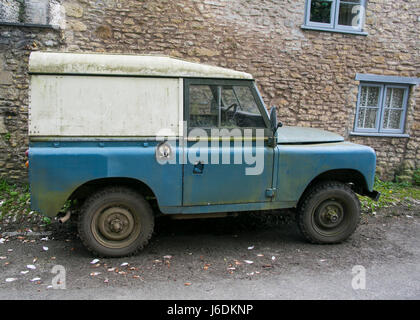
pixel 308 75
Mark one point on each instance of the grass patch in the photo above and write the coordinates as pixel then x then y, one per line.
pixel 392 194
pixel 15 205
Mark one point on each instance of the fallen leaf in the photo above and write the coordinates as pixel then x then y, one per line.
pixel 260 255
pixel 110 269
pixel 187 284
pixel 35 260
pixel 167 257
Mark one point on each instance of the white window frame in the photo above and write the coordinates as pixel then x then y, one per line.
pixel 333 25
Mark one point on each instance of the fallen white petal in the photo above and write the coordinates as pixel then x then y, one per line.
pixel 124 264
pixel 94 261
pixel 35 279
pixel 167 257
pixel 45 248
pixel 273 258
pixel 31 266
pixel 11 279
pixel 2 240
pixel 2 258
pixel 24 272
pixel 248 261
pixel 251 247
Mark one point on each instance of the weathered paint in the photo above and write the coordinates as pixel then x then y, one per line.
pixel 125 65
pixel 57 169
pixel 296 135
pixel 228 183
pixel 105 106
pixel 300 164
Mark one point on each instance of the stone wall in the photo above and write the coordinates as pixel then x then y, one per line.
pixel 15 45
pixel 308 75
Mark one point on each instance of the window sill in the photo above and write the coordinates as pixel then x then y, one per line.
pixel 380 135
pixel 28 25
pixel 359 33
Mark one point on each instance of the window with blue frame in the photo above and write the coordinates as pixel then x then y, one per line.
pixel 381 108
pixel 335 15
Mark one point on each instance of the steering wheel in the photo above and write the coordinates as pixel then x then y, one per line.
pixel 235 109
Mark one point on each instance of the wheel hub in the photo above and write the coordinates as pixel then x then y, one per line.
pixel 116 224
pixel 329 214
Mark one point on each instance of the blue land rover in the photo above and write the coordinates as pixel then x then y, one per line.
pixel 130 137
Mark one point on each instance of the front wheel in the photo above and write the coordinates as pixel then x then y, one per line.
pixel 328 213
pixel 115 222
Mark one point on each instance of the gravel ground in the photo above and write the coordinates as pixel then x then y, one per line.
pixel 247 257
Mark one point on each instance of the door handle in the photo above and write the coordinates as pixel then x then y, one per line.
pixel 198 168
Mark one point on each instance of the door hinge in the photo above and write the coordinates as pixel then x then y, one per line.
pixel 270 192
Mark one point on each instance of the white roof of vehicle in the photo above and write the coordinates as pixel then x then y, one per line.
pixel 131 65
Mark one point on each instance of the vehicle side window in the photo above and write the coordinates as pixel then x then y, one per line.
pixel 239 108
pixel 204 106
pixel 213 106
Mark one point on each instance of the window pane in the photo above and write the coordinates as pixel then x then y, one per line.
pixel 367 118
pixel 321 11
pixel 369 96
pixel 394 98
pixel 361 117
pixel 392 119
pixel 239 108
pixel 349 13
pixel 203 106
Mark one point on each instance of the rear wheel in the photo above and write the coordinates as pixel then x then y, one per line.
pixel 115 222
pixel 328 213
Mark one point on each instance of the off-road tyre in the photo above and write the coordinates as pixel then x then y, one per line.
pixel 127 211
pixel 328 213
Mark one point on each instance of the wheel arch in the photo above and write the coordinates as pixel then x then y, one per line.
pixel 86 189
pixel 354 178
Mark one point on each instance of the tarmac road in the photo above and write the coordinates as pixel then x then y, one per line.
pixel 231 258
